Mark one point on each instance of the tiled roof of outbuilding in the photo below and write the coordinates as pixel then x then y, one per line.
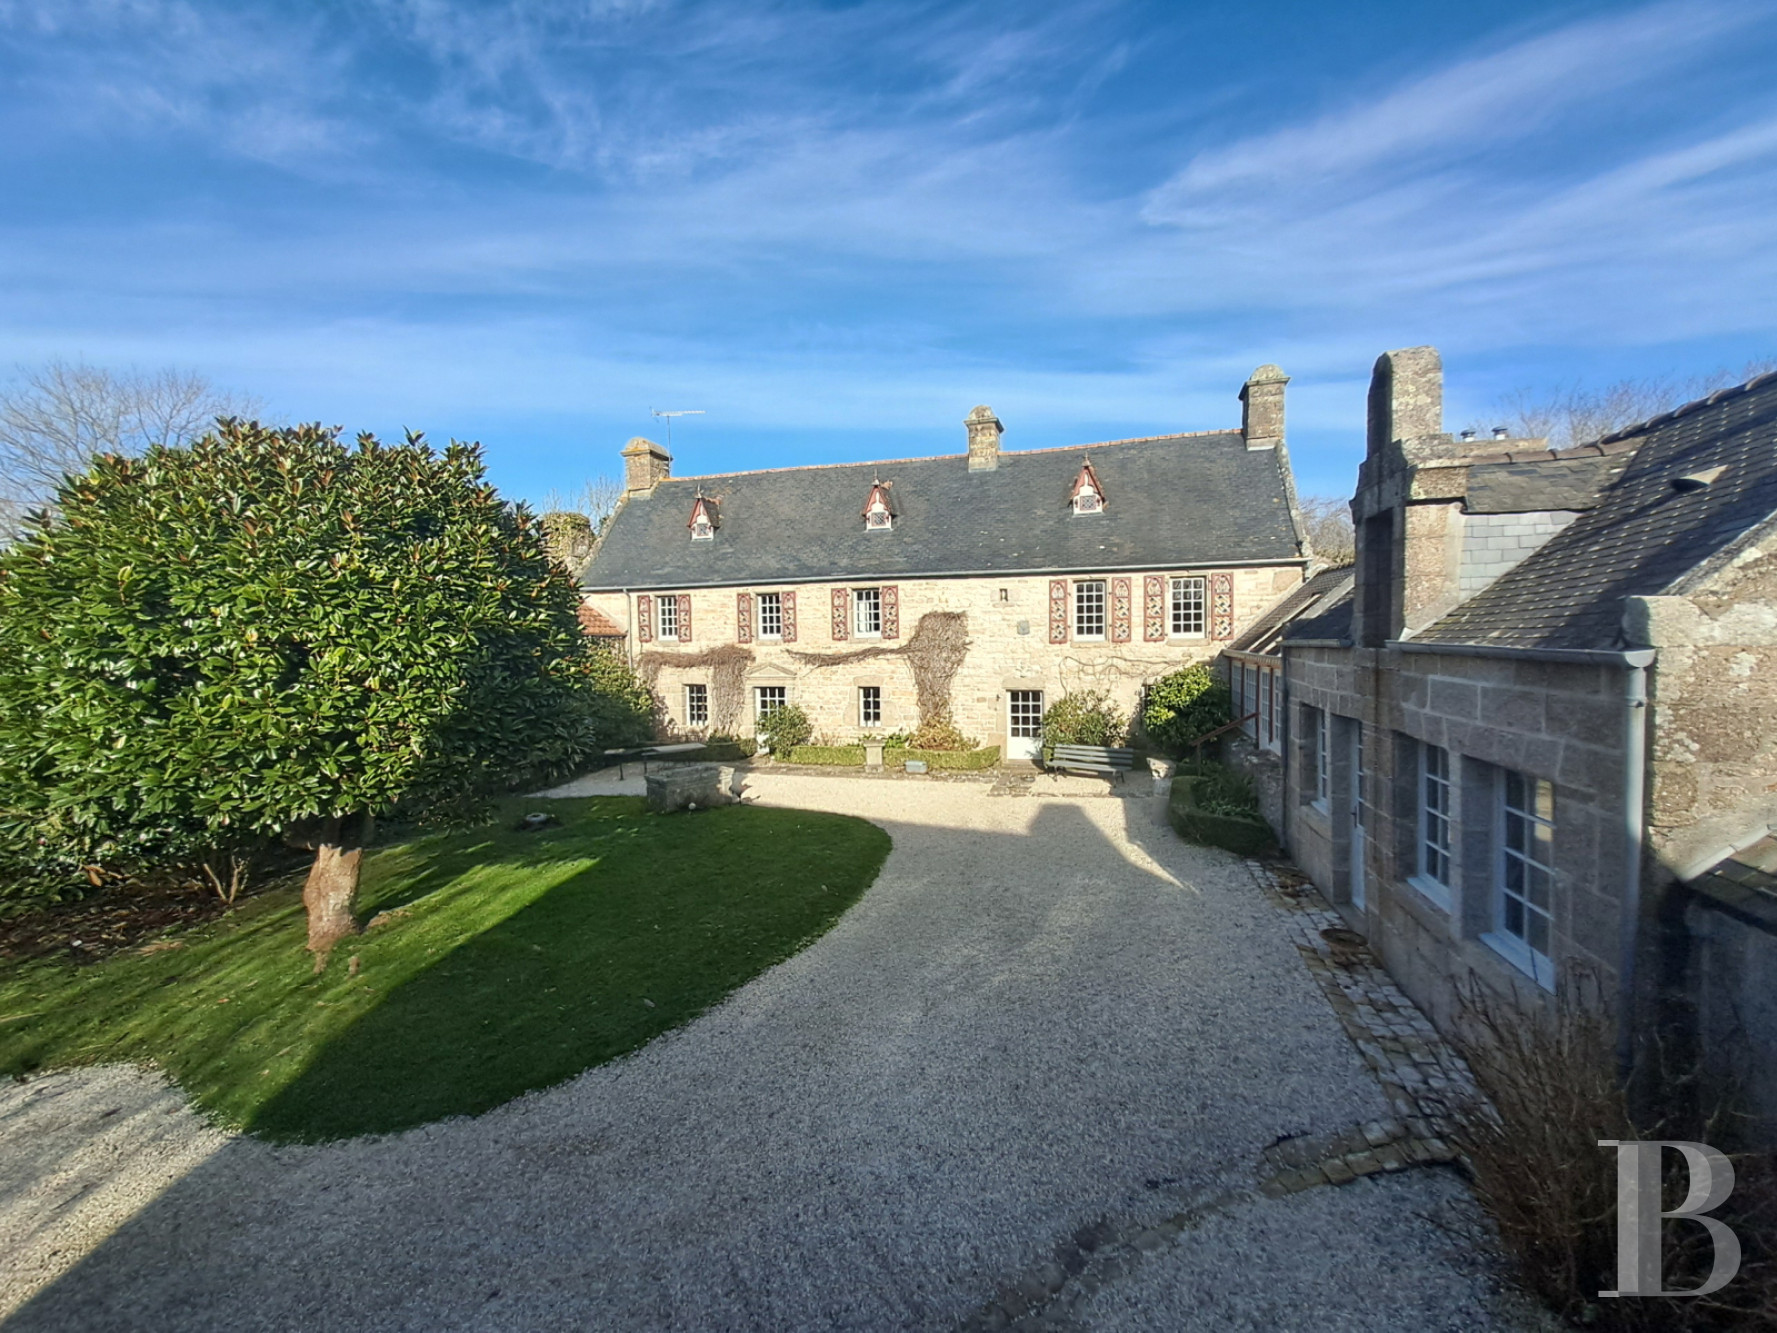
pixel 596 624
pixel 1175 502
pixel 1644 534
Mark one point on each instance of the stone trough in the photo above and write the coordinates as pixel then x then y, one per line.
pixel 691 787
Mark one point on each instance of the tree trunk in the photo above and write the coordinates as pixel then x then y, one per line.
pixel 331 894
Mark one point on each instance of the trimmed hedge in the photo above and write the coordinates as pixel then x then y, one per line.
pixel 1241 834
pixel 845 756
pixel 728 750
pixel 968 761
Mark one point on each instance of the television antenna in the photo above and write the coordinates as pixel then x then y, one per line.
pixel 668 418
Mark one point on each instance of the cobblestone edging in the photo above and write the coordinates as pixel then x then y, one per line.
pixel 1422 1077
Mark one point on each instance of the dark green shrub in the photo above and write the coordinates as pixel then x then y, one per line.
pixel 1185 705
pixel 269 634
pixel 783 729
pixel 1086 718
pixel 1226 825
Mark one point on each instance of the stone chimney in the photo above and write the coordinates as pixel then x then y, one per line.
pixel 1261 411
pixel 1406 396
pixel 645 466
pixel 1408 505
pixel 984 439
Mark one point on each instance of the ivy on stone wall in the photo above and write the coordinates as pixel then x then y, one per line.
pixel 935 653
pixel 728 668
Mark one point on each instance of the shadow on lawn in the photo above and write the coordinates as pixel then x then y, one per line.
pixel 642 939
pixel 986 964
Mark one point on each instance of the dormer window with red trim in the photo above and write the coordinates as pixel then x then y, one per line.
pixel 879 509
pixel 1087 496
pixel 704 519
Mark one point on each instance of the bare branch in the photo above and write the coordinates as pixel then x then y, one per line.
pixel 55 418
pixel 1574 414
pixel 1328 519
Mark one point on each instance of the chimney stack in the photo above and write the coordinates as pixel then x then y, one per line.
pixel 984 439
pixel 645 466
pixel 1261 412
pixel 1406 397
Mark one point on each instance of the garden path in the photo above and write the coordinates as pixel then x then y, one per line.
pixel 1048 1021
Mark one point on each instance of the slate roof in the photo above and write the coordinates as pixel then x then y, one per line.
pixel 1745 883
pixel 1304 604
pixel 1643 535
pixel 1525 486
pixel 1171 502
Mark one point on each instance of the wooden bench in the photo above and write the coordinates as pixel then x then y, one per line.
pixel 1100 759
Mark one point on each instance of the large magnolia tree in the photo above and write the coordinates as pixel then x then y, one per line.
pixel 272 633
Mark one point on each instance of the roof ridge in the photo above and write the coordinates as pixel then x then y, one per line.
pixel 933 458
pixel 1695 405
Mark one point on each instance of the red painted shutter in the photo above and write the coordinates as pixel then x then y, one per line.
pixel 787 607
pixel 645 618
pixel 743 617
pixel 1221 606
pixel 1058 610
pixel 841 614
pixel 1120 611
pixel 891 611
pixel 1154 609
pixel 684 617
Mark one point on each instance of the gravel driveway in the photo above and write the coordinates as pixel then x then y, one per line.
pixel 1047 1013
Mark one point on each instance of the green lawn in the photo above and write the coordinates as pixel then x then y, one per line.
pixel 509 961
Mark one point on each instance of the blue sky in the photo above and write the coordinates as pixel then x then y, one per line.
pixel 835 228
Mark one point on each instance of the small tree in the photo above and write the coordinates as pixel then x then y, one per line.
pixel 1189 703
pixel 271 633
pixel 783 729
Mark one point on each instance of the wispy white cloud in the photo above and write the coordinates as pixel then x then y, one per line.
pixel 862 213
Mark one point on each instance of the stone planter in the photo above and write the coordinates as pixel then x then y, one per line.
pixel 1163 770
pixel 872 754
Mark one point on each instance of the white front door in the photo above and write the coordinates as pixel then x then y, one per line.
pixel 1357 814
pixel 1024 724
pixel 767 699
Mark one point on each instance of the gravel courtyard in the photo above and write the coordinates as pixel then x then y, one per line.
pixel 1048 1014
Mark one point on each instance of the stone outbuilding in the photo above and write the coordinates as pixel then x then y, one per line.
pixel 1534 740
pixel 985 584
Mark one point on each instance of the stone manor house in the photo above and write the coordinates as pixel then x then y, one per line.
pixel 1526 738
pixel 1025 575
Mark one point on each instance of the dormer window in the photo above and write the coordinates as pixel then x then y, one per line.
pixel 879 509
pixel 1087 496
pixel 704 521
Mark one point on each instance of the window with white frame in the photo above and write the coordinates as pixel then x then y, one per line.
pixel 1249 693
pixel 1320 756
pixel 869 705
pixel 1089 609
pixel 867 612
pixel 1526 869
pixel 771 615
pixel 768 699
pixel 1435 823
pixel 697 705
pixel 1187 608
pixel 667 616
